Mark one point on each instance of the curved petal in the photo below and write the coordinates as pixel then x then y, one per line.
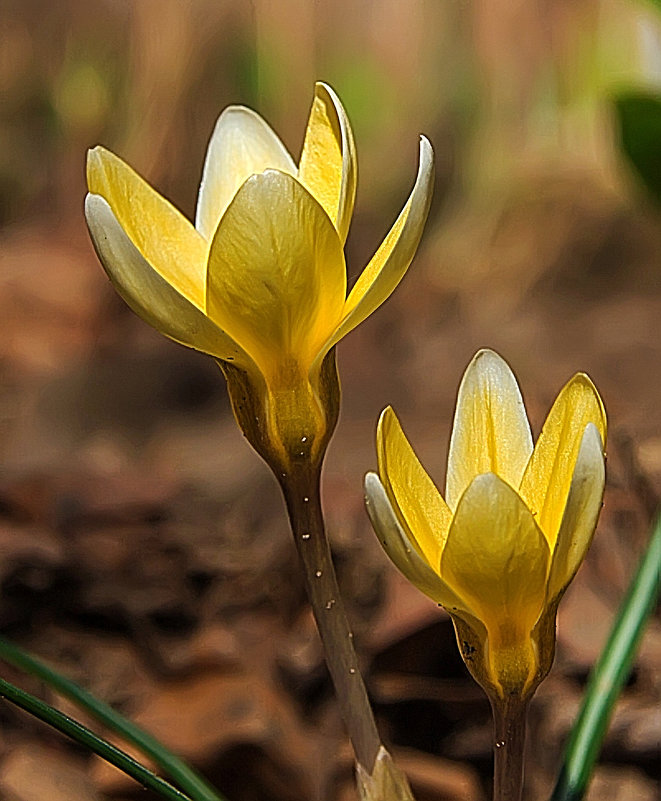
pixel 414 494
pixel 328 160
pixel 398 546
pixel 579 519
pixel 497 558
pixel 548 476
pixel 164 237
pixel 242 144
pixel 276 277
pixel 148 293
pixel 490 432
pixel 388 265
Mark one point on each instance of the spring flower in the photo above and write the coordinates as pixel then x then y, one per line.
pixel 259 281
pixel 501 548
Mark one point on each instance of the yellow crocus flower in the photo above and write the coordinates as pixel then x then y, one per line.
pixel 259 281
pixel 500 549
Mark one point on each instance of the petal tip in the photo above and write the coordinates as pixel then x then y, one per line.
pixel 387 419
pixel 490 356
pixel 426 148
pixel 371 483
pixel 96 205
pixel 488 361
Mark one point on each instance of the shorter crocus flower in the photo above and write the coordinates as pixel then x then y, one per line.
pixel 259 282
pixel 500 549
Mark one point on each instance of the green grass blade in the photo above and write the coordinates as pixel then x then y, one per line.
pixel 188 779
pixel 608 676
pixel 76 731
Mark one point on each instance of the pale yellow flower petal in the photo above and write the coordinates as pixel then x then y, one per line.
pixel 547 478
pixel 276 277
pixel 581 512
pixel 148 293
pixel 490 433
pixel 414 494
pixel 328 160
pixel 398 545
pixel 389 264
pixel 164 237
pixel 242 144
pixel 497 559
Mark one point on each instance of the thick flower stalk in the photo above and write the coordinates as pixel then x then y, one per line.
pixel 259 282
pixel 500 549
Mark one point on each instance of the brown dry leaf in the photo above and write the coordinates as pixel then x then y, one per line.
pixel 203 716
pixel 404 611
pixel 48 303
pixel 436 779
pixel 621 784
pixel 36 773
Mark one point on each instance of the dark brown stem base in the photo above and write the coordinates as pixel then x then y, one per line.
pixel 509 719
pixel 302 495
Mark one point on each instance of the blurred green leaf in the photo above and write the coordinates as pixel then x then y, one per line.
pixel 188 779
pixel 609 675
pixel 639 118
pixel 81 734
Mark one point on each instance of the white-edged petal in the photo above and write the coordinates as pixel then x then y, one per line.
pixel 165 238
pixel 490 432
pixel 548 475
pixel 328 160
pixel 242 144
pixel 397 544
pixel 581 512
pixel 418 501
pixel 391 261
pixel 148 293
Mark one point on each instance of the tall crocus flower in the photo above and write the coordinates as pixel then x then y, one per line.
pixel 259 282
pixel 499 550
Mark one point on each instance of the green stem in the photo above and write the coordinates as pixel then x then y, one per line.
pixel 609 674
pixel 76 731
pixel 302 495
pixel 188 779
pixel 509 718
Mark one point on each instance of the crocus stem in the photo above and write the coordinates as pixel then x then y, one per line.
pixel 509 718
pixel 301 489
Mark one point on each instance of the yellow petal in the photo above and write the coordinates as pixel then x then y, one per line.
pixel 242 144
pixel 580 515
pixel 414 494
pixel 149 294
pixel 164 237
pixel 399 546
pixel 490 433
pixel 277 277
pixel 497 559
pixel 390 262
pixel 328 160
pixel 548 476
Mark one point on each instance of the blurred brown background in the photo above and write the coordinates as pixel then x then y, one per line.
pixel 144 546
